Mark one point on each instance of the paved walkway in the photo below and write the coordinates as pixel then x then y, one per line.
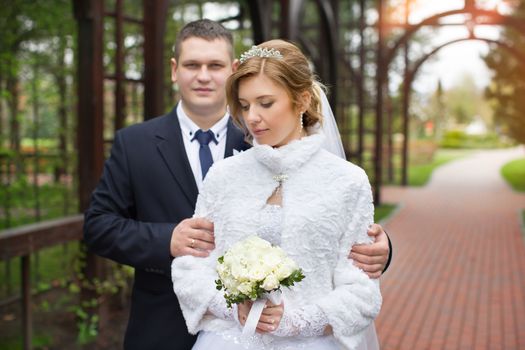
pixel 457 280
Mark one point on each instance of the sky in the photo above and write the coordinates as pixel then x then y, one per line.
pixel 454 62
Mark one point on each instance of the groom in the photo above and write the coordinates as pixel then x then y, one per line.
pixel 141 210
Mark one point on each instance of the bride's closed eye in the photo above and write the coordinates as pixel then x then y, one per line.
pixel 267 104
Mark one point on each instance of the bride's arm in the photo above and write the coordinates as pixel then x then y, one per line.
pixel 194 278
pixel 355 300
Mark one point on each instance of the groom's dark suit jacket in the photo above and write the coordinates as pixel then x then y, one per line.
pixel 146 189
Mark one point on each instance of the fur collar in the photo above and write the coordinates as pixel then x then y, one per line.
pixel 290 156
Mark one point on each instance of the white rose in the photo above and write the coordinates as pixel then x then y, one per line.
pixel 256 273
pixel 245 288
pixel 221 270
pixel 258 243
pixel 238 269
pixel 230 283
pixel 285 269
pixel 271 282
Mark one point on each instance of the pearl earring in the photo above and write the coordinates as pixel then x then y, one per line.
pixel 301 122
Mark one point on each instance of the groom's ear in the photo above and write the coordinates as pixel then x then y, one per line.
pixel 235 64
pixel 173 62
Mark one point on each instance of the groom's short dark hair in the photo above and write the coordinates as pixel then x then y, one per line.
pixel 205 29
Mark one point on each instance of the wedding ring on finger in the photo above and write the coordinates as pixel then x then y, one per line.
pixel 192 243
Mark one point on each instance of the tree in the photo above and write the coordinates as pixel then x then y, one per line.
pixel 508 85
pixel 25 25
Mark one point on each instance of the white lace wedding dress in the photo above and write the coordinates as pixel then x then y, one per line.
pixel 327 206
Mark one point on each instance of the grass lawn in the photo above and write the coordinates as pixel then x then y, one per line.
pixel 382 211
pixel 514 173
pixel 418 175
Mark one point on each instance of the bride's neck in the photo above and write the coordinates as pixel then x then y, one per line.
pixel 302 134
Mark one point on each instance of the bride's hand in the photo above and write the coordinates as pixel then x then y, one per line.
pixel 270 318
pixel 243 309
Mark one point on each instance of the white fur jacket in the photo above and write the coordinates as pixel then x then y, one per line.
pixel 327 207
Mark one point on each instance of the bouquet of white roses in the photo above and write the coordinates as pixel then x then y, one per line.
pixel 253 267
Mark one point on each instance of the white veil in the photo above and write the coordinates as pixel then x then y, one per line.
pixel 332 141
pixel 334 145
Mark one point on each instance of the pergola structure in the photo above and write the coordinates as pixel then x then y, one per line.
pixel 472 15
pixel 321 47
pixel 340 66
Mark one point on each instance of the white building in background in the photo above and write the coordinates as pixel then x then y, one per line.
pixel 476 127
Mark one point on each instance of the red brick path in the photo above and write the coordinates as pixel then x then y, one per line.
pixel 457 280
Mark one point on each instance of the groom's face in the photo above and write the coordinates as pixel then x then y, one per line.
pixel 201 72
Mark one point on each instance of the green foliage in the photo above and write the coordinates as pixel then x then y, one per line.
pixel 465 101
pixel 514 173
pixel 383 211
pixel 39 341
pixel 453 139
pixel 508 83
pixel 296 276
pixel 455 107
pixel 53 269
pixel 459 139
pixel 117 280
pixel 21 201
pixel 87 324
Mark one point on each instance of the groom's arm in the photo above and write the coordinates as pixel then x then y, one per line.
pixel 111 227
pixel 374 258
pixel 112 230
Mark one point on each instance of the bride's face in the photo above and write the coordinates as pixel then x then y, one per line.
pixel 268 112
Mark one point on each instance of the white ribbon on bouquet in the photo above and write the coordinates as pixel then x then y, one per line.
pixel 275 297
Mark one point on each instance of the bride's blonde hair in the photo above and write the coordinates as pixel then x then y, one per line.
pixel 292 72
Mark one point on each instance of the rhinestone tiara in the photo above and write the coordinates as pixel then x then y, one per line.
pixel 260 52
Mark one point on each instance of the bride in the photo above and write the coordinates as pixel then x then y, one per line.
pixel 291 191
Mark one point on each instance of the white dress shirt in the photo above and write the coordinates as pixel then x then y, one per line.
pixel 188 128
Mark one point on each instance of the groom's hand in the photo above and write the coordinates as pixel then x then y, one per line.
pixel 192 237
pixel 372 258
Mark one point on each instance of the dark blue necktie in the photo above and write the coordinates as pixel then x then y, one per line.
pixel 204 138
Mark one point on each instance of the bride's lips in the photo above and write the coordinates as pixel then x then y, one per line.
pixel 258 132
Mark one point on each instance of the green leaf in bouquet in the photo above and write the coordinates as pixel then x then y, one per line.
pixel 296 276
pixel 218 284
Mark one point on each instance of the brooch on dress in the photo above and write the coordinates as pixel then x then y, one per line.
pixel 280 179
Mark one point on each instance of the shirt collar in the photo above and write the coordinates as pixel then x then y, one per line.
pixel 188 127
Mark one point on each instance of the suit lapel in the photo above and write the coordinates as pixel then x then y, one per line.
pixel 234 140
pixel 171 147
